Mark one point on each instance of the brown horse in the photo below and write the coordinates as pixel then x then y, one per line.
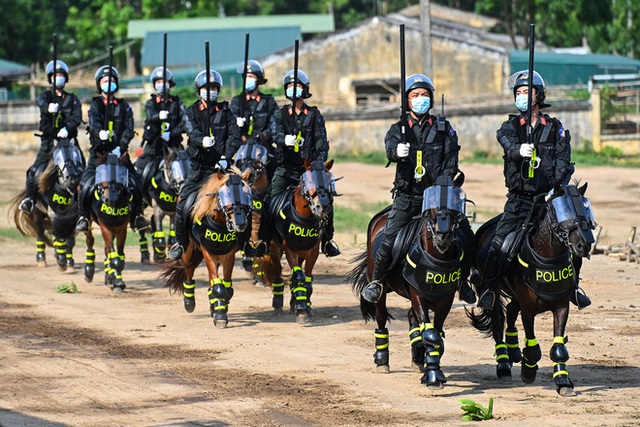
pixel 431 261
pixel 56 208
pixel 543 279
pixel 300 216
pixel 220 213
pixel 110 209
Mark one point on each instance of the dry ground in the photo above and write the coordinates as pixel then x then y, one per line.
pixel 138 359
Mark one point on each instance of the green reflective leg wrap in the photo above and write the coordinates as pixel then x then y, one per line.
pixel 298 288
pixel 229 288
pixel 217 294
pixel 90 257
pixel 501 353
pixel 189 289
pixel 40 251
pixel 381 356
pixel 513 346
pixel 308 282
pixel 559 355
pixel 417 347
pixel 277 289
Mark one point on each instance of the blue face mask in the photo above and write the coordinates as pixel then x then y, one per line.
pixel 289 92
pixel 213 94
pixel 105 87
pixel 250 84
pixel 420 105
pixel 521 102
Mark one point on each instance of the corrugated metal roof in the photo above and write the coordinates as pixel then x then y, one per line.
pixel 571 69
pixel 308 23
pixel 13 69
pixel 186 48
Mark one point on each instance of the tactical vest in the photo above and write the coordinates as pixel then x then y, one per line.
pixel 218 121
pixel 259 111
pixel 117 115
pixel 304 125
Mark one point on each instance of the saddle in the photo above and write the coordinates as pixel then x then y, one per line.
pixel 510 246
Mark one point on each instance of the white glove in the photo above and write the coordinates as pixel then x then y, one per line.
pixel 163 114
pixel 165 135
pixel 402 150
pixel 289 140
pixel 240 121
pixel 222 164
pixel 116 151
pixel 63 133
pixel 526 150
pixel 208 141
pixel 53 107
pixel 104 135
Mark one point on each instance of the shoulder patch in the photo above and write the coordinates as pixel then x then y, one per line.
pixel 561 132
pixel 452 131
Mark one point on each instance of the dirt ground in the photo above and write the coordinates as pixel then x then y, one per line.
pixel 138 359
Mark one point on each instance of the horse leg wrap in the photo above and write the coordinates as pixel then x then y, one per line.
pixel 418 350
pixel 530 357
pixel 116 261
pixel 559 355
pixel 188 292
pixel 217 296
pixel 513 347
pixel 277 289
pixel 298 289
pixel 433 375
pixel 229 289
pixel 172 237
pixel 89 264
pixel 144 245
pixel 40 253
pixel 381 356
pixel 308 283
pixel 61 252
pixel 159 245
pixel 503 368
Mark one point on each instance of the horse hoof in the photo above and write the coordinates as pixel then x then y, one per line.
pixel 302 318
pixel 247 264
pixel 71 270
pixel 277 312
pixel 62 267
pixel 417 367
pixel 566 391
pixel 310 314
pixel 220 321
pixel 117 290
pixel 528 377
pixel 382 369
pixel 436 386
pixel 42 263
pixel 189 305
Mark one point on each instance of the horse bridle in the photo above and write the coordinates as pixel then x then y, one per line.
pixel 235 185
pixel 580 221
pixel 323 190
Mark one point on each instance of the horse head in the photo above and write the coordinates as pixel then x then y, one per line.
pixel 571 218
pixel 175 168
pixel 443 207
pixel 68 163
pixel 317 186
pixel 253 157
pixel 112 180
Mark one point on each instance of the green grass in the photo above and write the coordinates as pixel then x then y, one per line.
pixel 356 221
pixel 11 233
pixel 370 158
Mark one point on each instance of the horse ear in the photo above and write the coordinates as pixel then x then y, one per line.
pixel 583 188
pixel 328 165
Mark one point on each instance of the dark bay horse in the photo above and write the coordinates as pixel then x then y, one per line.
pixel 162 180
pixel 431 261
pixel 111 210
pixel 299 218
pixel 220 212
pixel 543 279
pixel 253 157
pixel 56 208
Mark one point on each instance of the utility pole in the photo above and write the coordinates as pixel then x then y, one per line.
pixel 425 35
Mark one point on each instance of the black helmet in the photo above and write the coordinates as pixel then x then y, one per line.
pixel 103 72
pixel 302 78
pixel 520 78
pixel 201 79
pixel 157 74
pixel 416 81
pixel 61 67
pixel 254 67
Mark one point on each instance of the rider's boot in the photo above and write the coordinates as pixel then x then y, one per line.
pixel 28 202
pixel 373 291
pixel 487 289
pixel 579 297
pixel 176 251
pixel 329 247
pixel 82 226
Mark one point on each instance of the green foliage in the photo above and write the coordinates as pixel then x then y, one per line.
pixel 67 288
pixel 476 412
pixel 356 220
pixel 579 94
pixel 607 108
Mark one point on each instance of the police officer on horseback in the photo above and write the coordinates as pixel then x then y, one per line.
pixel 530 169
pixel 299 133
pixel 111 129
pixel 60 116
pixel 163 124
pixel 214 137
pixel 430 151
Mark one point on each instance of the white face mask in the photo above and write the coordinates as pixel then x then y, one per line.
pixel 250 84
pixel 289 92
pixel 160 87
pixel 213 94
pixel 60 81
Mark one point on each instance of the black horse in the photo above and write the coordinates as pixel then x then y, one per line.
pixel 56 208
pixel 162 180
pixel 542 279
pixel 432 259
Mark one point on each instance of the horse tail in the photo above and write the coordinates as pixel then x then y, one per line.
pixel 358 277
pixel 174 272
pixel 264 268
pixel 483 320
pixel 26 224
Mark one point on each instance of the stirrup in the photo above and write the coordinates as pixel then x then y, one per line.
pixel 26 205
pixel 176 251
pixel 580 298
pixel 330 248
pixel 82 226
pixel 487 300
pixel 372 292
pixel 141 223
pixel 261 249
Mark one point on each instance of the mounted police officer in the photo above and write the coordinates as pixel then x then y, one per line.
pixel 434 148
pixel 214 137
pixel 105 137
pixel 60 116
pixel 298 134
pixel 163 124
pixel 551 142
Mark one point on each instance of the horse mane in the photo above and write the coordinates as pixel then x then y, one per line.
pixel 208 193
pixel 47 178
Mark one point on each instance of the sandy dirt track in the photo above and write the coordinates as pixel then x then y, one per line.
pixel 138 359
